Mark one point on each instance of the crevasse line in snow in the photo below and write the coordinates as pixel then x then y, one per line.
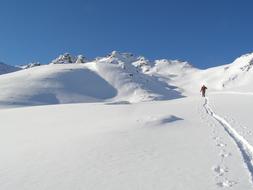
pixel 244 146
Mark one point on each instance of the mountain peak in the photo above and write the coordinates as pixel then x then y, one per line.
pixel 243 63
pixel 67 58
pixel 244 59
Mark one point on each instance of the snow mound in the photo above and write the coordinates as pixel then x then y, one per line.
pixel 54 84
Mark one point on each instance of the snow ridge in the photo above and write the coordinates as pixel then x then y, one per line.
pixel 244 146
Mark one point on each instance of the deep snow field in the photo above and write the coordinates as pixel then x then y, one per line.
pixel 123 122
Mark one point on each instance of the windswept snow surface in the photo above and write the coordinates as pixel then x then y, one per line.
pixel 153 145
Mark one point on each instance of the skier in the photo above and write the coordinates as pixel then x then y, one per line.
pixel 203 90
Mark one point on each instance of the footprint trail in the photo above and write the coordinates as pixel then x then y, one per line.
pixel 244 146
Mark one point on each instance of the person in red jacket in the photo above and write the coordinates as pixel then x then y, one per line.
pixel 203 90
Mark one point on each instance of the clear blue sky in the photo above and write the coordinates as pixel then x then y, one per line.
pixel 203 32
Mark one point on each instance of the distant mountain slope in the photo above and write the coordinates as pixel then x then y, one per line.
pixel 54 84
pixel 4 68
pixel 235 76
pixel 239 74
pixel 111 78
pixel 117 77
pixel 127 73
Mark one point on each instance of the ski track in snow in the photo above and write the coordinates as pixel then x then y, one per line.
pixel 244 146
pixel 220 169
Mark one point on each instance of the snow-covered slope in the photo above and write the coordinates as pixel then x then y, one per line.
pixel 112 78
pixel 180 143
pixel 158 145
pixel 118 77
pixel 175 73
pixel 53 84
pixel 237 76
pixel 125 72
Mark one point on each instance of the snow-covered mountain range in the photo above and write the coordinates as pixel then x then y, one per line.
pixel 117 77
pixel 114 137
